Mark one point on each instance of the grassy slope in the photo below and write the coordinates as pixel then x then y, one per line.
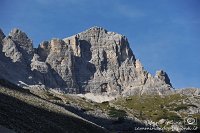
pixel 143 107
pixel 156 108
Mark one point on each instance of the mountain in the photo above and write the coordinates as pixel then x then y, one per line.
pixel 94 61
pixel 89 82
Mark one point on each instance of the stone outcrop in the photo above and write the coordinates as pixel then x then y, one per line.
pixel 163 76
pixel 10 50
pixel 95 61
pixel 2 36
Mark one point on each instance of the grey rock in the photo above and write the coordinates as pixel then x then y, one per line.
pixel 105 63
pixel 163 76
pixel 189 91
pixel 2 36
pixel 10 60
pixel 43 50
pixel 15 62
pixel 10 49
pixel 22 41
pixel 38 65
pixel 96 61
pixel 60 58
pixel 161 121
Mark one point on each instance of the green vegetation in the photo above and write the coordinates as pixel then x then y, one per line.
pixel 153 107
pixel 169 116
pixel 181 107
pixel 85 104
pixel 104 105
pixel 113 112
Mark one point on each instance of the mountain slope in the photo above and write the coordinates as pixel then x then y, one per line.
pixel 23 111
pixel 39 110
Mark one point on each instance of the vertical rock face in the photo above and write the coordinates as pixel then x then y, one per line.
pixel 10 49
pixel 95 61
pixel 23 43
pixel 37 64
pixel 12 60
pixel 1 35
pixel 104 63
pixel 60 58
pixel 100 60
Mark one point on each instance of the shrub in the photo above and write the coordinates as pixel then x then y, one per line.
pixel 116 113
pixel 181 107
pixel 174 118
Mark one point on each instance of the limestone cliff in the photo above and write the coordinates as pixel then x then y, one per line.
pixel 96 61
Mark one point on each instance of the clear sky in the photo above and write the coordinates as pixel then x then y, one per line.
pixel 163 34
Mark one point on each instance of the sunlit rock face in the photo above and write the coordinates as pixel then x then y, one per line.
pixel 94 61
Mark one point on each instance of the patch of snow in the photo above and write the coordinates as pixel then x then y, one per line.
pixel 22 83
pixel 57 91
pixel 97 98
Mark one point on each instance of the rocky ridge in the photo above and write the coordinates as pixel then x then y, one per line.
pixel 94 61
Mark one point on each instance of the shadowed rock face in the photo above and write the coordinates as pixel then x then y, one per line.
pixel 94 61
pixel 1 34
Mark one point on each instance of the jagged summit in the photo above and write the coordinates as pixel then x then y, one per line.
pixel 96 28
pixel 163 76
pixel 93 61
pixel 22 41
pixel 16 31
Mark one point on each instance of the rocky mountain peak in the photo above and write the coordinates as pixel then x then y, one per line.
pixel 93 61
pixel 138 64
pixel 96 29
pixel 22 41
pixel 15 31
pixel 57 45
pixel 163 76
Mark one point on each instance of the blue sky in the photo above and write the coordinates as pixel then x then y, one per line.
pixel 163 34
